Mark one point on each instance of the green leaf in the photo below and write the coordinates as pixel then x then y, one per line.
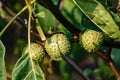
pixel 72 13
pixel 55 1
pixel 99 16
pixel 77 54
pixel 88 72
pixel 66 70
pixel 115 54
pixel 89 24
pixel 47 20
pixel 61 28
pixel 116 18
pixel 27 69
pixel 2 63
pixel 104 71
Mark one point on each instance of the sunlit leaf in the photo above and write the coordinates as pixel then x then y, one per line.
pixel 27 69
pixel 99 16
pixel 2 63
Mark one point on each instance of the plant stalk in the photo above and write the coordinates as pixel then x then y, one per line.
pixel 56 12
pixel 39 29
pixel 110 62
pixel 13 19
pixel 75 66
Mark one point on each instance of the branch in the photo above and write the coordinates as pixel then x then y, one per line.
pixel 13 19
pixel 75 66
pixel 56 12
pixel 8 76
pixel 11 13
pixel 108 59
pixel 111 44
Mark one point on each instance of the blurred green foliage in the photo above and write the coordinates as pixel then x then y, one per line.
pixel 49 22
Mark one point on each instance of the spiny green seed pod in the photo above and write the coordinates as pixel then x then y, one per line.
pixel 57 45
pixel 91 40
pixel 37 51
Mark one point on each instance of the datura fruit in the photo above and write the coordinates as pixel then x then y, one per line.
pixel 57 45
pixel 36 51
pixel 91 40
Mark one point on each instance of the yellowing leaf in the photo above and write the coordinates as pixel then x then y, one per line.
pixel 99 16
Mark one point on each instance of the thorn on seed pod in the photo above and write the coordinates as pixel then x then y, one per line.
pixel 37 51
pixel 57 45
pixel 91 40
